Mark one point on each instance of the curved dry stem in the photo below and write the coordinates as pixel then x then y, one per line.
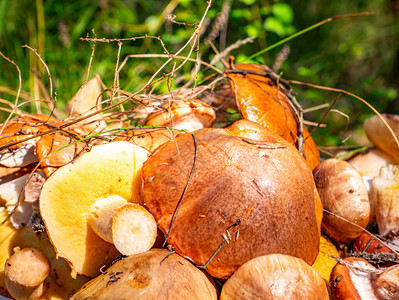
pixel 354 96
pixel 361 228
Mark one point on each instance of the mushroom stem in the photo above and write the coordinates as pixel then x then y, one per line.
pixel 25 273
pixel 386 191
pixel 130 227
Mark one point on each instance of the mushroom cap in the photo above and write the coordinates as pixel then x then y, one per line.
pixel 261 100
pixel 257 195
pixel 343 193
pixel 50 143
pixel 17 130
pixel 147 138
pixel 187 115
pixel 155 274
pixel 275 276
pixel 28 267
pixel 379 135
pixel 67 195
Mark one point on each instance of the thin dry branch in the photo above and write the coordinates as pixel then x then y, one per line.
pixel 18 92
pixel 354 96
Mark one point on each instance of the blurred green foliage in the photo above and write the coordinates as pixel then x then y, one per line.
pixel 360 55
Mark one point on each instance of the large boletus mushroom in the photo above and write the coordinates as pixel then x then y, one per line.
pixel 245 198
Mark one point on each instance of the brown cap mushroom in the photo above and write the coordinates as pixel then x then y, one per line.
pixel 67 195
pixel 245 198
pixel 183 114
pixel 156 274
pixel 25 272
pixel 147 138
pixel 381 137
pixel 275 276
pixel 17 130
pixel 344 195
pixel 50 143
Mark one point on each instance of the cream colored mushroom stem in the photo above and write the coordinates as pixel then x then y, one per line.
pixel 386 195
pixel 130 227
pixel 25 273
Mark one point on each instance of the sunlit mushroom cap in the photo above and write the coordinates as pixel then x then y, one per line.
pixel 156 274
pixel 257 197
pixel 181 114
pixel 262 100
pixel 21 129
pixel 275 276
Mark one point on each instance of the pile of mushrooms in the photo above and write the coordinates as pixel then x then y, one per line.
pixel 175 208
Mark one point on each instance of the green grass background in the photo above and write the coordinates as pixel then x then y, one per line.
pixel 360 55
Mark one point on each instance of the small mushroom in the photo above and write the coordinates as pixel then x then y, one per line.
pixel 155 274
pixel 182 114
pixel 68 194
pixel 147 138
pixel 49 151
pixel 369 163
pixel 351 279
pixel 25 272
pixel 381 137
pixel 12 190
pixel 369 244
pixel 19 129
pixel 275 276
pixel 343 195
pixel 386 285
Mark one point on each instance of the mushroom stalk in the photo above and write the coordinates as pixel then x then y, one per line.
pixel 386 191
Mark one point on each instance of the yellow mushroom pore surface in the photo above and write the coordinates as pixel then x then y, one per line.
pixel 66 197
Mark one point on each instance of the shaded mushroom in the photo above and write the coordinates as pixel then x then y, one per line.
pixel 381 137
pixel 245 198
pixel 156 274
pixel 59 283
pixel 67 195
